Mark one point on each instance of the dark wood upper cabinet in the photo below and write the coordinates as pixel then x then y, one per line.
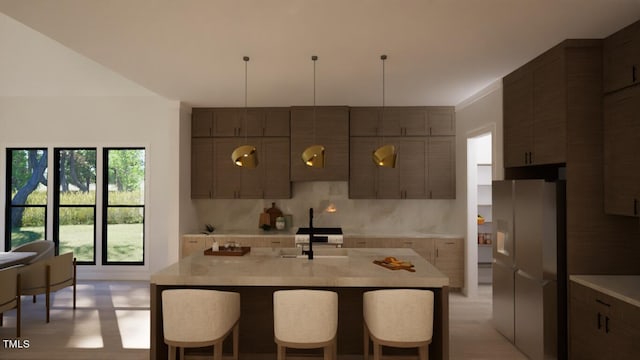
pixel 621 149
pixel 402 121
pixel 324 125
pixel 217 131
pixel 201 122
pixel 236 122
pixel 539 97
pixel 621 55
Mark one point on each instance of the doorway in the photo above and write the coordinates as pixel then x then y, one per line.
pixel 479 227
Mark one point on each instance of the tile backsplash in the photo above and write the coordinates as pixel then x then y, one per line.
pixel 356 216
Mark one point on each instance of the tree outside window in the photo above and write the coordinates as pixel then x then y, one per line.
pixel 26 210
pixel 123 230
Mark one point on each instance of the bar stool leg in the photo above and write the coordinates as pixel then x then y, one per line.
pixel 366 343
pixel 423 352
pixel 281 352
pixel 236 332
pixel 217 350
pixel 377 351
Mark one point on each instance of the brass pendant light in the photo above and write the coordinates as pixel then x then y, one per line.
pixel 245 156
pixel 313 156
pixel 385 155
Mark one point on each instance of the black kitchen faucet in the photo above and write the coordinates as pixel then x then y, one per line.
pixel 310 251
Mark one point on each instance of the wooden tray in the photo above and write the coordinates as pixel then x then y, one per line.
pixel 392 266
pixel 243 250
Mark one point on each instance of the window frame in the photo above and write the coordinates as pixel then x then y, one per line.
pixel 9 201
pixel 57 205
pixel 106 206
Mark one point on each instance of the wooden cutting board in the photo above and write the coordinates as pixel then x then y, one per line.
pixel 395 266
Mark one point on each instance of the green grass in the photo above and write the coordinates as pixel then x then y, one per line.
pixel 125 240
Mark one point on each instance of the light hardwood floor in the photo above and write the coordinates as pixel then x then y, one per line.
pixel 112 322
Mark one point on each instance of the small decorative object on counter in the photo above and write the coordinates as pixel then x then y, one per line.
pixel 215 246
pixel 274 213
pixel 280 223
pixel 208 229
pixel 480 220
pixel 264 221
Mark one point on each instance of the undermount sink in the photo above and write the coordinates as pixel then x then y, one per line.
pixel 317 253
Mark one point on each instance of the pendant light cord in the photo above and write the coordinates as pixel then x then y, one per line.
pixel 246 130
pixel 383 58
pixel 314 58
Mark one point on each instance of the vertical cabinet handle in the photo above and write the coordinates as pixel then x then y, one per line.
pixel 606 324
pixel 599 321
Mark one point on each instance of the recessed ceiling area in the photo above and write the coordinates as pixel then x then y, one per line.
pixel 440 52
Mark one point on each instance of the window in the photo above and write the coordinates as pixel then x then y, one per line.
pixel 26 209
pixel 123 206
pixel 75 203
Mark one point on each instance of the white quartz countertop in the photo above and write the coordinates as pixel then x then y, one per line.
pixel 622 287
pixel 265 267
pixel 346 233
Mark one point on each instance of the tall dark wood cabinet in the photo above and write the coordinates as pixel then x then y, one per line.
pixel 535 110
pixel 217 131
pixel 622 58
pixel 322 125
pixel 425 167
pixel 621 149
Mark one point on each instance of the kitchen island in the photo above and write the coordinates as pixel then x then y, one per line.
pixel 262 271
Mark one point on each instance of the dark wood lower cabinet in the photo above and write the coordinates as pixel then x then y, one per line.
pixel 602 327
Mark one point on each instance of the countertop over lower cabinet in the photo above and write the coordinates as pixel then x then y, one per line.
pixel 622 287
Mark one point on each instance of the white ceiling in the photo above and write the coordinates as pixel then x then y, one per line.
pixel 440 51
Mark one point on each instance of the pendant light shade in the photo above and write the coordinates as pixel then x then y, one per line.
pixel 313 156
pixel 245 156
pixel 385 155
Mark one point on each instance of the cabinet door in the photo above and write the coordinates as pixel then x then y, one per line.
pixel 388 183
pixel 549 110
pixel 441 121
pixel 364 121
pixel 201 120
pixel 279 241
pixel 362 170
pixel 449 259
pixel 251 179
pixel 587 339
pixel 355 242
pixel 441 167
pixel 518 117
pixel 276 122
pixel 621 147
pixel 229 122
pixel 621 54
pixel 201 168
pixel 191 245
pixel 412 167
pixel 275 161
pixel 404 121
pixel 226 175
pixel 327 126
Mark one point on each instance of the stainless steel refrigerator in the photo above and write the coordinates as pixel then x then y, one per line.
pixel 529 266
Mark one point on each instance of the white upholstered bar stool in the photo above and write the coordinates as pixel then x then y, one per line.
pixel 398 318
pixel 305 319
pixel 198 318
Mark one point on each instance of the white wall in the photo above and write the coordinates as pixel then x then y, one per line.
pixel 480 114
pixel 51 97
